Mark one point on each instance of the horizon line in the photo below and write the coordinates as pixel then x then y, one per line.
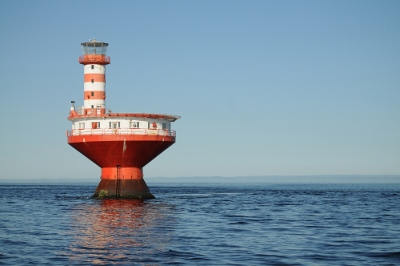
pixel 327 178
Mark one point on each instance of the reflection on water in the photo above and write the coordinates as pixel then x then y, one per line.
pixel 120 230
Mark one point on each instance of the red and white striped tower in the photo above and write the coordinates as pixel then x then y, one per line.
pixel 120 143
pixel 94 60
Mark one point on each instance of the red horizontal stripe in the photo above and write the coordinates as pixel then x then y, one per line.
pixel 94 95
pixel 95 78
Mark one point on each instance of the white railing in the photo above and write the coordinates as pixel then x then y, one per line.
pixel 81 111
pixel 121 131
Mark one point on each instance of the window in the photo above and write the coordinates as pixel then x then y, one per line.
pixel 164 126
pixel 115 125
pixel 92 94
pixel 81 125
pixel 134 124
pixel 92 66
pixel 92 80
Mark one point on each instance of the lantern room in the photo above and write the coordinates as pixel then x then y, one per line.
pixel 94 52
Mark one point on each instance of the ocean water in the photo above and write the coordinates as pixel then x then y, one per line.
pixel 202 224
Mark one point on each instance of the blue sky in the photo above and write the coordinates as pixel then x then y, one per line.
pixel 263 87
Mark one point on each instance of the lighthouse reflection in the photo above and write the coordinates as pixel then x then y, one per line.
pixel 120 231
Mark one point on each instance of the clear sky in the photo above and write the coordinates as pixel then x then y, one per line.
pixel 263 87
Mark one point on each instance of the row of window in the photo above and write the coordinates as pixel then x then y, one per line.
pixel 96 125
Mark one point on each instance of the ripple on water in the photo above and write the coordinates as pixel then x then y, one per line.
pixel 202 225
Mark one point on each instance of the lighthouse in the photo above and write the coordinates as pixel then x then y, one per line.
pixel 121 144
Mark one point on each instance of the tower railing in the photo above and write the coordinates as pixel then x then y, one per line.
pixel 121 131
pixel 94 59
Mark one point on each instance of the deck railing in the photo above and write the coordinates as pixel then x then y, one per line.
pixel 81 112
pixel 121 131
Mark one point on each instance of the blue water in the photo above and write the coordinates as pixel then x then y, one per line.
pixel 209 224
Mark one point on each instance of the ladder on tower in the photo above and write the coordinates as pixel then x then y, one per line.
pixel 118 188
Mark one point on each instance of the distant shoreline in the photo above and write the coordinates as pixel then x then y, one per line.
pixel 315 179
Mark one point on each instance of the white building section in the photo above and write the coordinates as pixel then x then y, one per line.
pixel 98 125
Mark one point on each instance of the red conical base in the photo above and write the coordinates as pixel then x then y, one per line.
pixel 121 158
